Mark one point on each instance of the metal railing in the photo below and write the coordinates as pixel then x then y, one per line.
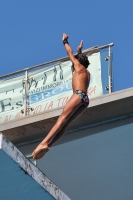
pixel 87 51
pixel 50 64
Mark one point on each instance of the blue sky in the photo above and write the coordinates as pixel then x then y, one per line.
pixel 31 32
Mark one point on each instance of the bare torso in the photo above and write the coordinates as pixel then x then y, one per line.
pixel 81 79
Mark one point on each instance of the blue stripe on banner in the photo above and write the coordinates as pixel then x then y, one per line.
pixel 42 96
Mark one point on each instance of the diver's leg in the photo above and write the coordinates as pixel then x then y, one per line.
pixel 72 105
pixel 77 113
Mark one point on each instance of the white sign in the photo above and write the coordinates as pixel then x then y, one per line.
pixel 48 89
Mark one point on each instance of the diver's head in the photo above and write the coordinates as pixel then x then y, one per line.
pixel 83 59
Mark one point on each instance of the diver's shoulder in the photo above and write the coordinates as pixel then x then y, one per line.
pixel 87 72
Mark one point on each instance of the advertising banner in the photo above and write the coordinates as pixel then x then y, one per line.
pixel 48 88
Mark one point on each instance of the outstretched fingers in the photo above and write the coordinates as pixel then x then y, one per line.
pixel 65 36
pixel 81 44
pixel 79 49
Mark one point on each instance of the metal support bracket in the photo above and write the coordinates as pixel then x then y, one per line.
pixel 30 157
pixel 25 82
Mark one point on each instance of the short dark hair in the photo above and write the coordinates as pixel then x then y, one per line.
pixel 83 59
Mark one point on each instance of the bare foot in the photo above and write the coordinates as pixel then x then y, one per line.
pixel 40 151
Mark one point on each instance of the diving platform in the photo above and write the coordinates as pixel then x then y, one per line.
pixel 21 179
pixel 101 110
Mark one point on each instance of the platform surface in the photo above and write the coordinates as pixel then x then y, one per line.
pixel 103 108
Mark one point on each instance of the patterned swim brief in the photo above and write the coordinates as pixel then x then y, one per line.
pixel 83 96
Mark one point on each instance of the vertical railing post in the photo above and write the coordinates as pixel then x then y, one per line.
pixel 26 92
pixel 110 70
